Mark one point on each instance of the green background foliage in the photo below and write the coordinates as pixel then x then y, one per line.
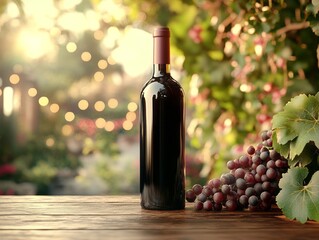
pixel 246 58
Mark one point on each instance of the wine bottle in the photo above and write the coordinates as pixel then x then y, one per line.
pixel 162 133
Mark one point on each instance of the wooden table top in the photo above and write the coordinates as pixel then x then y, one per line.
pixel 121 217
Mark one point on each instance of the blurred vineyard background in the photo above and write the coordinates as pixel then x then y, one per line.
pixel 71 72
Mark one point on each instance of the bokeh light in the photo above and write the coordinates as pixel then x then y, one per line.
pixel 43 101
pixel 54 108
pixel 32 92
pixel 83 104
pixel 99 76
pixel 99 106
pixel 66 63
pixel 109 126
pixel 131 116
pixel 111 60
pixel 69 116
pixel 100 123
pixel 50 142
pixel 67 130
pixel 113 103
pixel 102 64
pixel 132 106
pixel 14 78
pixel 127 125
pixel 71 47
pixel 8 94
pixel 86 56
pixel 98 35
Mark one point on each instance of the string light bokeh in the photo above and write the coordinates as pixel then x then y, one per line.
pixel 70 78
pixel 120 46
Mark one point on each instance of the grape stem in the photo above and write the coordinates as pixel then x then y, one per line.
pixel 292 26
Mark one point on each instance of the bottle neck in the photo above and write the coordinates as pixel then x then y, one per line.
pixel 161 70
pixel 161 52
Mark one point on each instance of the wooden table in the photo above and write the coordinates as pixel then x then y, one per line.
pixel 120 217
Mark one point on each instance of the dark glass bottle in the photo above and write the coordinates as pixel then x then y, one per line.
pixel 162 134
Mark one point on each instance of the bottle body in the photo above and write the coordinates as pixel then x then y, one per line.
pixel 162 143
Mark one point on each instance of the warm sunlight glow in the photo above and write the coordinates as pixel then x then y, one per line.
pixel 34 44
pixel 69 4
pixel 113 9
pixel 41 12
pixel 117 79
pixel 12 10
pixel 73 21
pixel 134 51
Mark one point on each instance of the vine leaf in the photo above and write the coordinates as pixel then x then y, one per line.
pixel 296 200
pixel 297 125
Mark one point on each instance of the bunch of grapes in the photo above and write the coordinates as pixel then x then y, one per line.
pixel 251 183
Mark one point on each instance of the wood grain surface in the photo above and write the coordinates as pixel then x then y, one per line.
pixel 121 217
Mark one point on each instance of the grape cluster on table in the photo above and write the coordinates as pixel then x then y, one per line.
pixel 252 182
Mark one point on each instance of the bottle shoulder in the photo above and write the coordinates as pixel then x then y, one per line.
pixel 162 84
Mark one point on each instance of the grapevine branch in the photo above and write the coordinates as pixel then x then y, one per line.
pixel 292 27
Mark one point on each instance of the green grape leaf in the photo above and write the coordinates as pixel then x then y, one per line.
pixel 306 156
pixel 296 200
pixel 282 149
pixel 284 121
pixel 298 123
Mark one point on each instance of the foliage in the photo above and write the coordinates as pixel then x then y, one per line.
pixel 62 77
pixel 296 129
pixel 295 136
pixel 299 201
pixel 243 61
pixel 39 164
